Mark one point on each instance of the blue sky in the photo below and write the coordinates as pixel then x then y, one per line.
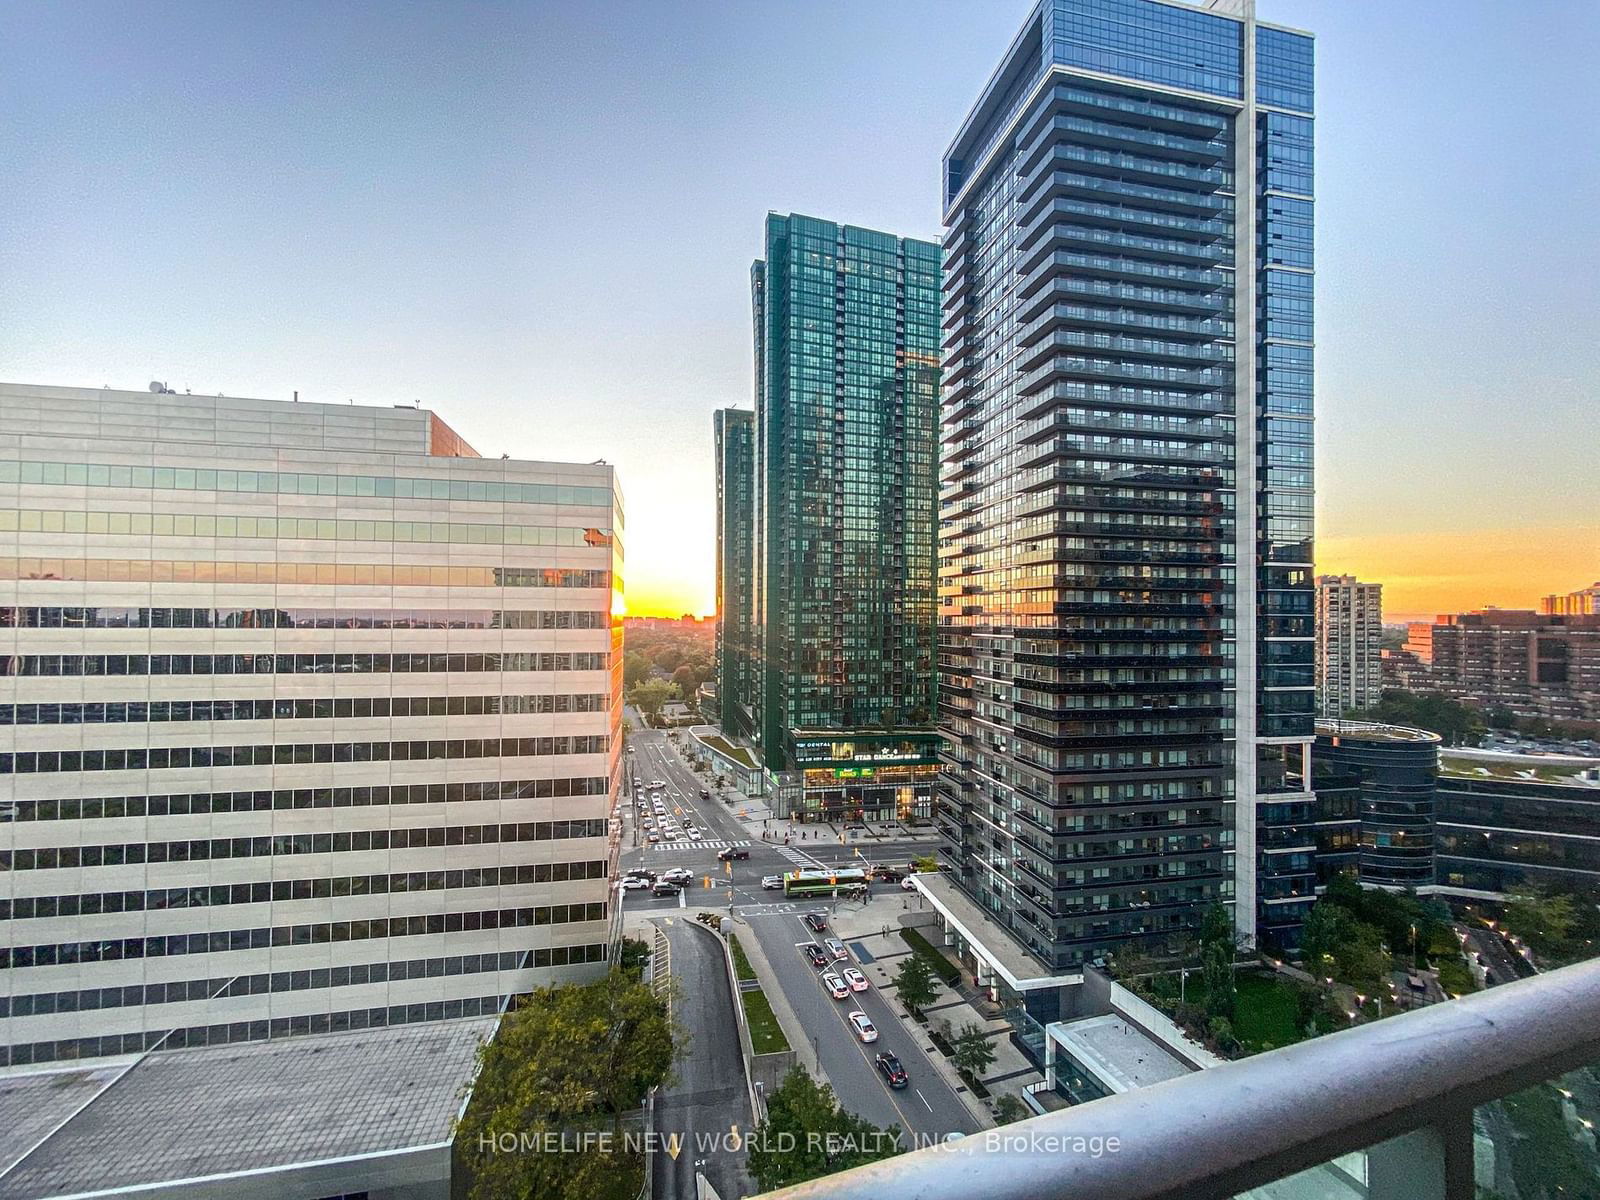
pixel 538 219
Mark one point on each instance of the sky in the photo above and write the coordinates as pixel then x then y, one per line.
pixel 538 219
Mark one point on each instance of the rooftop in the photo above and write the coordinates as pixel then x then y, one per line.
pixel 1119 1053
pixel 1373 731
pixel 266 1105
pixel 1019 968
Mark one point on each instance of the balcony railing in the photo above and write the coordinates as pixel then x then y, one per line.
pixel 1402 1090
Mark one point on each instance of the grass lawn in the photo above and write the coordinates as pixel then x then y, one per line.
pixel 741 964
pixel 765 1035
pixel 738 753
pixel 1267 1011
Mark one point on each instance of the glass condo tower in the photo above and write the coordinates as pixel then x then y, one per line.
pixel 1125 599
pixel 847 407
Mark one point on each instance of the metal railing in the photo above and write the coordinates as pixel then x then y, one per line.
pixel 1403 1089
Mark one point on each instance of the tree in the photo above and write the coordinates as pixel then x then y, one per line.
pixel 668 658
pixel 574 1057
pixel 928 862
pixel 971 1051
pixel 807 1134
pixel 650 695
pixel 1216 927
pixel 916 983
pixel 636 666
pixel 687 680
pixel 1217 976
pixel 1542 918
pixel 1008 1109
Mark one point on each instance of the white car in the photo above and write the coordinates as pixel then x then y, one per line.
pixel 634 885
pixel 856 980
pixel 906 885
pixel 678 875
pixel 693 833
pixel 836 987
pixel 771 883
pixel 836 948
pixel 865 1029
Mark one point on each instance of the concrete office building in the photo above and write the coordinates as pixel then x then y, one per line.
pixel 847 404
pixel 309 721
pixel 736 703
pixel 1126 622
pixel 1349 644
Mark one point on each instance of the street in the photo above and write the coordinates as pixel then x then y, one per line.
pixel 929 1107
pixel 705 1113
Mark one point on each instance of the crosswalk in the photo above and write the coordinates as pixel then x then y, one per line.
pixel 702 844
pixel 799 857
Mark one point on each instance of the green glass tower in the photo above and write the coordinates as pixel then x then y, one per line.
pixel 847 409
pixel 736 510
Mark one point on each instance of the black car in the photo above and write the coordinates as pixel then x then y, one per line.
pixel 815 922
pixel 817 955
pixel 893 1073
pixel 705 793
pixel 731 855
pixel 664 888
pixel 888 875
pixel 642 873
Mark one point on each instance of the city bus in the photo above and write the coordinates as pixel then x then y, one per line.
pixel 824 883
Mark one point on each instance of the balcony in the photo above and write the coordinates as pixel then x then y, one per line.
pixel 1398 1095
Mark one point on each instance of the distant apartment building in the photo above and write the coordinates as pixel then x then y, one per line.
pixel 1584 602
pixel 1349 644
pixel 1127 665
pixel 309 721
pixel 736 701
pixel 846 447
pixel 1535 664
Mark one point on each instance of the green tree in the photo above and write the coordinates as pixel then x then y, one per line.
pixel 574 1057
pixel 916 983
pixel 1216 927
pixel 1544 919
pixel 636 667
pixel 972 1051
pixel 687 680
pixel 668 658
pixel 1008 1109
pixel 1217 977
pixel 927 862
pixel 807 1134
pixel 650 695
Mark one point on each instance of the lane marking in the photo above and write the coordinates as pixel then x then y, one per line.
pixel 923 1098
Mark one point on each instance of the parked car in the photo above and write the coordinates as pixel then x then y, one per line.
pixel 678 875
pixel 856 980
pixel 888 875
pixel 815 953
pixel 836 948
pixel 642 873
pixel 771 883
pixel 893 1072
pixel 865 1029
pixel 815 922
pixel 652 837
pixel 692 834
pixel 663 888
pixel 836 987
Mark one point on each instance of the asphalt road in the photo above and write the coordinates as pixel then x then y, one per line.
pixel 1502 963
pixel 708 1107
pixel 929 1107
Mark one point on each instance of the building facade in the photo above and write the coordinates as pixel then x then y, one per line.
pixel 1499 836
pixel 1349 644
pixel 1585 602
pixel 736 708
pixel 1126 620
pixel 1391 770
pixel 1534 664
pixel 847 395
pixel 309 720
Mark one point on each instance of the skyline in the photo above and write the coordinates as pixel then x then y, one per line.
pixel 474 212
